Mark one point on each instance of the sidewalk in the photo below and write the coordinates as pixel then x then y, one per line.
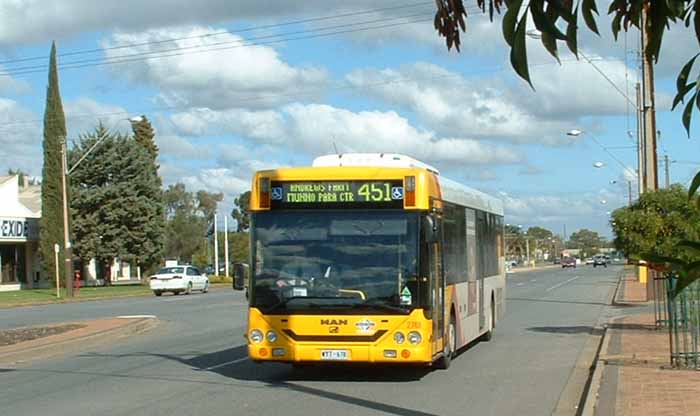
pixel 637 378
pixel 66 337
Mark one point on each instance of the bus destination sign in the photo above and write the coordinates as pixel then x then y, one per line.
pixel 337 194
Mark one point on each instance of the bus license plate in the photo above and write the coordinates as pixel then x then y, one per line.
pixel 335 355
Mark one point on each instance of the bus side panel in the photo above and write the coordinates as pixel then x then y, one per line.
pixel 495 285
pixel 468 319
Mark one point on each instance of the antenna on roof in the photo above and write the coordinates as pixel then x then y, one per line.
pixel 335 147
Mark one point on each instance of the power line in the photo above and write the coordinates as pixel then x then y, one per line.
pixel 222 32
pixel 143 56
pixel 338 87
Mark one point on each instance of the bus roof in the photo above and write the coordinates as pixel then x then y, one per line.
pixel 395 165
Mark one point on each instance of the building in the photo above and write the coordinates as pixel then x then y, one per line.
pixel 19 233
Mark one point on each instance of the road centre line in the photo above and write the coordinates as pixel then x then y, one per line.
pixel 226 363
pixel 562 283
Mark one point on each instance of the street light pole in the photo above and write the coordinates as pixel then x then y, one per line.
pixel 67 249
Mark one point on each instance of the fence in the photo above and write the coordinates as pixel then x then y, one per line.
pixel 683 319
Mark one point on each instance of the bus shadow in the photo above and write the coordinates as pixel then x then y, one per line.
pixel 568 330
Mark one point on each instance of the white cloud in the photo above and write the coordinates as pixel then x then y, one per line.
pixel 250 76
pixel 84 114
pixel 23 21
pixel 313 129
pixel 10 85
pixel 20 142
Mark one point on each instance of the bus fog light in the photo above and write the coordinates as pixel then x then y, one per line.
pixel 414 337
pixel 256 336
pixel 399 338
pixel 389 353
pixel 278 352
pixel 271 336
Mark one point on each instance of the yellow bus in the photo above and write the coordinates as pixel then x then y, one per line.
pixel 371 258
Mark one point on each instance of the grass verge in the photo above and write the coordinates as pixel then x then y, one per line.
pixel 47 296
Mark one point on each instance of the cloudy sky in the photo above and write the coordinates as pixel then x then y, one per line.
pixel 237 86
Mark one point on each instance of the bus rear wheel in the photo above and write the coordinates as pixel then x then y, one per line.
pixel 449 349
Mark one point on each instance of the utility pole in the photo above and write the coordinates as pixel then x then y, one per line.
pixel 641 167
pixel 668 180
pixel 216 248
pixel 226 244
pixel 527 250
pixel 629 192
pixel 651 181
pixel 67 249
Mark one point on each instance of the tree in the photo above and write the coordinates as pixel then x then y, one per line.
pixel 145 136
pixel 188 221
pixel 21 175
pixel 539 233
pixel 207 203
pixel 117 202
pixel 589 242
pixel 241 212
pixel 152 236
pixel 51 222
pixel 656 224
pixel 557 20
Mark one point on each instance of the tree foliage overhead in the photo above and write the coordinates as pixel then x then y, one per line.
pixel 117 201
pixel 241 212
pixel 51 222
pixel 558 23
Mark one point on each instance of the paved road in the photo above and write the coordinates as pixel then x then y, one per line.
pixel 195 362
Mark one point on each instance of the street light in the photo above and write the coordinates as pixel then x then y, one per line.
pixel 598 165
pixel 68 263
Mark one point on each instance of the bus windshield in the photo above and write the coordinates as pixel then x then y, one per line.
pixel 319 260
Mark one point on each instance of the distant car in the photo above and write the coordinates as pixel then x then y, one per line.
pixel 556 261
pixel 590 260
pixel 600 261
pixel 568 262
pixel 178 279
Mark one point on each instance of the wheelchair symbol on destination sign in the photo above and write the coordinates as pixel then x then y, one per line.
pixel 397 192
pixel 277 193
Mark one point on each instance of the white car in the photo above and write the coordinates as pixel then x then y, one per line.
pixel 178 279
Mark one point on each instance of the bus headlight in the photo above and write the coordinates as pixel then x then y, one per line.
pixel 256 336
pixel 271 336
pixel 399 337
pixel 414 337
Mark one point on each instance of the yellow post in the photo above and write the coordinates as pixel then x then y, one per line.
pixel 642 273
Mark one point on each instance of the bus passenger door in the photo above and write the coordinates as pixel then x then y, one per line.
pixel 437 280
pixel 480 230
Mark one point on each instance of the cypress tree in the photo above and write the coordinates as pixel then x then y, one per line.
pixel 145 136
pixel 51 223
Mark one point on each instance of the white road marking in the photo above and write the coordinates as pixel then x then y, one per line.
pixel 533 280
pixel 562 283
pixel 226 363
pixel 520 284
pixel 136 317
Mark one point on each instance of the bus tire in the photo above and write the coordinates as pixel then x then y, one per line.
pixel 488 336
pixel 443 363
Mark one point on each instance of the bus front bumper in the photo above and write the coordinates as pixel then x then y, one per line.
pixel 328 353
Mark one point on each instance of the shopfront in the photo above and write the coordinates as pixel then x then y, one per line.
pixel 19 235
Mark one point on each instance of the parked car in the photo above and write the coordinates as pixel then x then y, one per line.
pixel 178 279
pixel 600 261
pixel 568 262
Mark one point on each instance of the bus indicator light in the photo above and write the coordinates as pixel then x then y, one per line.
pixel 409 197
pixel 263 352
pixel 405 354
pixel 264 192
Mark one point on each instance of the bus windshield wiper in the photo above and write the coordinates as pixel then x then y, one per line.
pixel 382 306
pixel 284 301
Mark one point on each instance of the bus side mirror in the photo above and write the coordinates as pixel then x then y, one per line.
pixel 429 229
pixel 239 272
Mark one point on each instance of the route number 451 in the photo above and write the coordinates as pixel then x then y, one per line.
pixel 375 192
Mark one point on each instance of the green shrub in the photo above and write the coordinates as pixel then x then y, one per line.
pixel 220 279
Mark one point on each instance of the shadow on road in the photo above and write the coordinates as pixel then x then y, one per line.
pixel 572 302
pixel 567 330
pixel 231 363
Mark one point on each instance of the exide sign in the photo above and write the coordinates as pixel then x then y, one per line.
pixel 15 229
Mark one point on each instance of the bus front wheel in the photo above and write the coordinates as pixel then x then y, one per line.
pixel 488 336
pixel 449 349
